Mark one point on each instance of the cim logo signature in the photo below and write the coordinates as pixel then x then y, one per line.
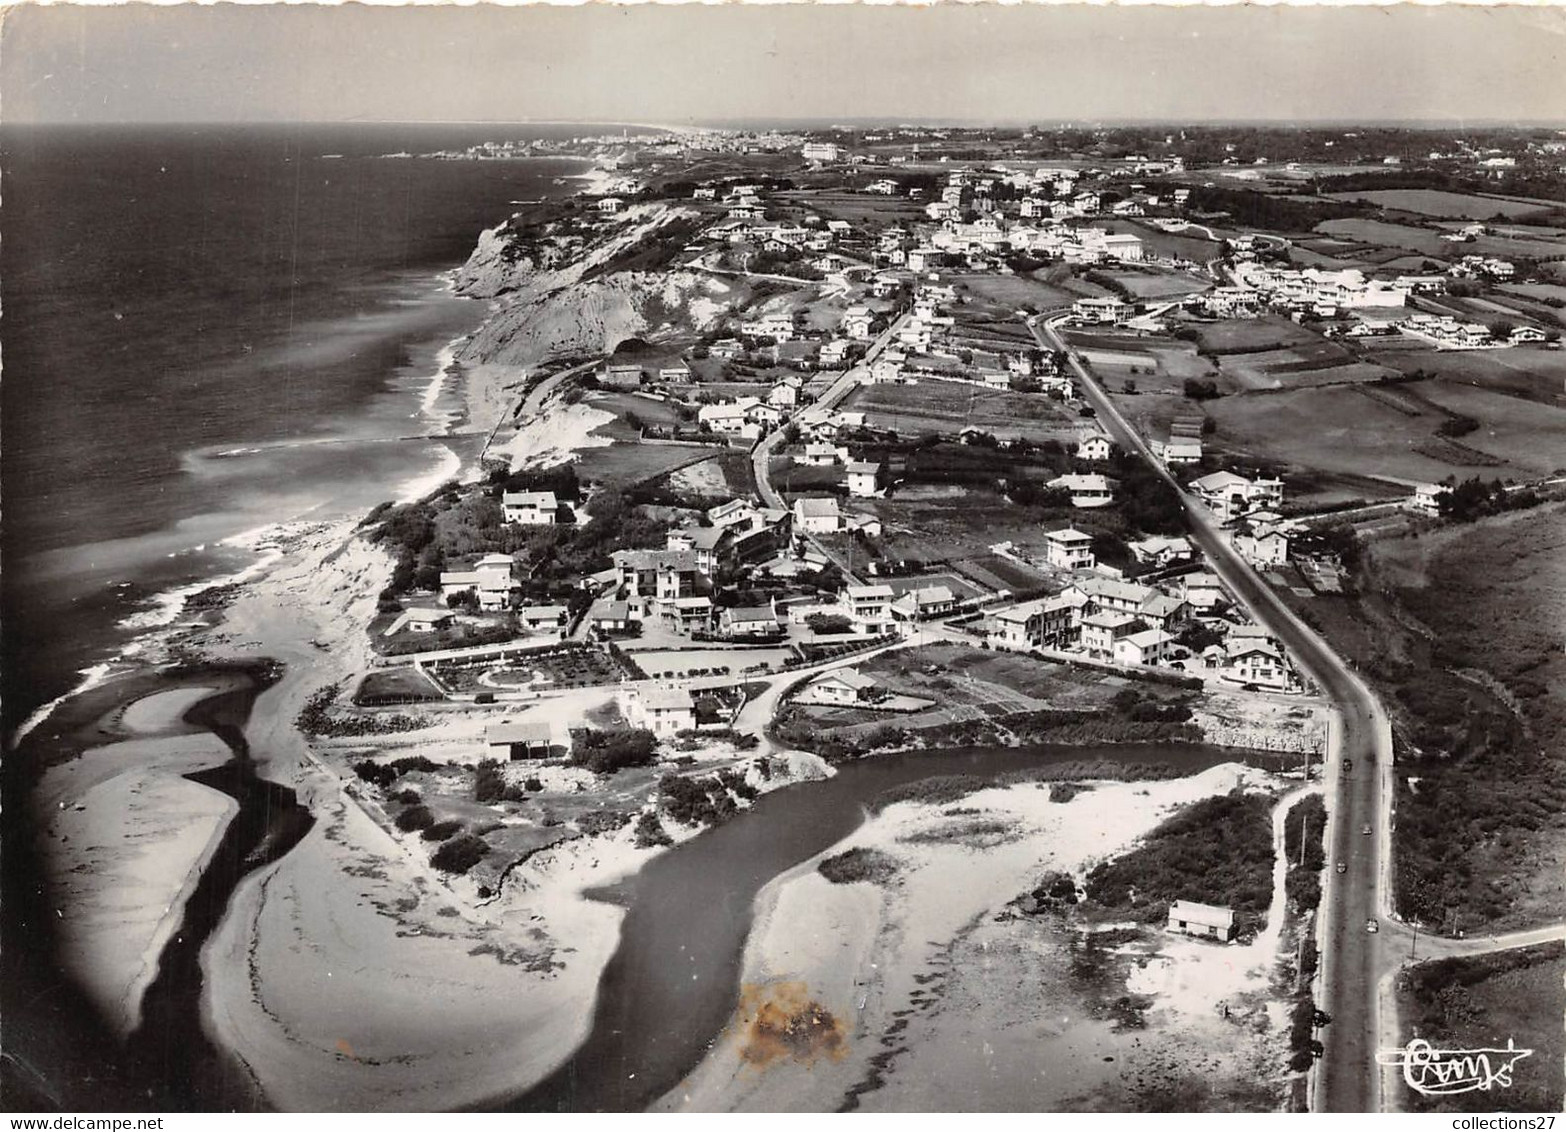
pixel 1446 1072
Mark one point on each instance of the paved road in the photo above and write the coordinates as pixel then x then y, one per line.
pixel 761 454
pixel 1353 959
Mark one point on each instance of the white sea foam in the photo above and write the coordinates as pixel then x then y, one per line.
pixel 449 467
pixel 92 676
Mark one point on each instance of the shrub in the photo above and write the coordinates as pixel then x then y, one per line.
pixel 602 821
pixel 650 833
pixel 459 854
pixel 604 752
pixel 533 785
pixel 859 864
pixel 409 797
pixel 441 830
pixel 489 785
pixel 415 817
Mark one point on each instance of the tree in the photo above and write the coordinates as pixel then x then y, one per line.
pixel 1198 389
pixel 606 751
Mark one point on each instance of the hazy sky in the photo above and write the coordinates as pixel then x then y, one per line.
pixel 686 63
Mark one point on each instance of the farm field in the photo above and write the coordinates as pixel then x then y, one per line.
pixel 1483 1002
pixel 947 408
pixel 999 573
pixel 1152 284
pixel 1544 291
pixel 939 524
pixel 1388 235
pixel 856 208
pixel 1319 363
pixel 1337 429
pixel 1246 335
pixel 1530 437
pixel 725 475
pixel 1534 375
pixel 1009 293
pixel 621 465
pixel 1434 202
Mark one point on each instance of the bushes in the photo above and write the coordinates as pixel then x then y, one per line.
pixel 1217 851
pixel 602 821
pixel 693 801
pixel 650 833
pixel 859 864
pixel 459 854
pixel 606 751
pixel 489 784
pixel 442 830
pixel 828 623
pixel 1198 389
pixel 415 818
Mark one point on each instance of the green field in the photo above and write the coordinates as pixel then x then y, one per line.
pixel 1196 249
pixel 1533 375
pixel 1389 235
pixel 1152 284
pixel 1009 293
pixel 1433 202
pixel 1336 429
pixel 935 523
pixel 1247 335
pixel 946 408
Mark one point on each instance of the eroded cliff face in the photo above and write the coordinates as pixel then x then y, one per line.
pixel 594 316
pixel 543 313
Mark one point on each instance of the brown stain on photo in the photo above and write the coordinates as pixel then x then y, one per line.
pixel 781 1022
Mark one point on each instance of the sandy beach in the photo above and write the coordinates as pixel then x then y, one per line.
pixel 939 998
pixel 127 837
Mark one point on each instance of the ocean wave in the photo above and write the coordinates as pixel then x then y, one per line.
pixel 92 676
pixel 449 467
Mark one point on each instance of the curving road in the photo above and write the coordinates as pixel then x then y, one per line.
pixel 1353 960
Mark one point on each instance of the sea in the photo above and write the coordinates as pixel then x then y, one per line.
pixel 209 334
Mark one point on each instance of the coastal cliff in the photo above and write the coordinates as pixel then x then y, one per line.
pixel 588 304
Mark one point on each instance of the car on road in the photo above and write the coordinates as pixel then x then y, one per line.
pixel 1372 926
pixel 1342 867
pixel 1348 765
pixel 1366 831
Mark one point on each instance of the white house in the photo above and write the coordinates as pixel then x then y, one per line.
pixel 817 516
pixel 863 478
pixel 1090 490
pixel 869 607
pixel 1205 920
pixel 1149 647
pixel 1203 592
pixel 1101 630
pixel 1263 545
pixel 1094 446
pixel 1426 499
pixel 662 710
pixel 1101 311
pixel 611 204
pixel 1256 662
pixel 822 455
pixel 847 686
pixel 530 508
pixel 928 601
pixel 1069 549
pixel 1182 450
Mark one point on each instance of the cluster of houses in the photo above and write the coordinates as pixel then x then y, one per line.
pixel 1115 621
pixel 1447 333
pixel 1325 293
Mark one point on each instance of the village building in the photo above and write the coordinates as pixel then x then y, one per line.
pixel 1426 499
pixel 530 508
pixel 869 607
pixel 1205 920
pixel 1100 631
pixel 927 601
pixel 863 479
pixel 543 618
pixel 660 709
pixel 817 516
pixel 1257 663
pixel 1069 549
pixel 846 686
pixel 1148 647
pixel 420 619
pixel 749 622
pixel 620 376
pixel 1090 490
pixel 510 741
pixel 1094 446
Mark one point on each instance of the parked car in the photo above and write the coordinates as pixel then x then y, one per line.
pixel 1372 926
pixel 1366 831
pixel 1342 868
